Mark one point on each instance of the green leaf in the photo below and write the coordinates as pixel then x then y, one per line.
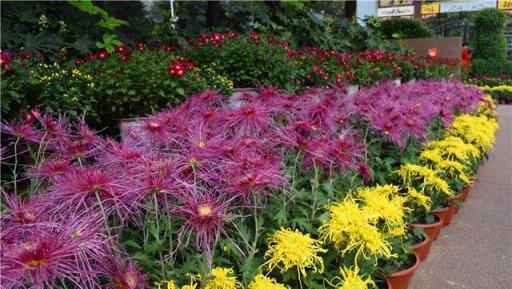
pixel 180 91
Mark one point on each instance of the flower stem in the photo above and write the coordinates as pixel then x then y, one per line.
pixel 157 236
pixel 105 219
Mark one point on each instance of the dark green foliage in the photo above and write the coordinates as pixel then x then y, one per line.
pixel 248 63
pixel 48 87
pixel 491 67
pixel 489 40
pixel 139 86
pixel 401 28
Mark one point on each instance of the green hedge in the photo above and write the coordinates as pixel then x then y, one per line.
pixel 489 42
pixel 491 67
pixel 405 28
pixel 249 62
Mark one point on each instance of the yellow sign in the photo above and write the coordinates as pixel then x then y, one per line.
pixel 431 8
pixel 505 4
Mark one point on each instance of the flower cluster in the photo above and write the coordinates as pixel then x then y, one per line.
pixel 405 111
pixel 213 39
pixel 180 67
pixel 446 164
pixel 289 249
pixel 364 223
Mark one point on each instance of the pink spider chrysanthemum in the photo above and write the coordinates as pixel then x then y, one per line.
pixel 205 216
pixel 44 256
pixel 86 188
pixel 125 275
pixel 249 119
pixel 51 168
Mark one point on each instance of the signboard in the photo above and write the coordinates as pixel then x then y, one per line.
pixel 447 7
pixel 395 11
pixel 432 52
pixel 431 8
pixel 505 4
pixel 393 3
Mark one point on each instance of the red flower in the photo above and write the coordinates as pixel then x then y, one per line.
pixel 167 47
pixel 40 55
pixel 102 55
pixel 124 57
pixel 121 49
pixel 140 46
pixel 79 61
pixel 25 55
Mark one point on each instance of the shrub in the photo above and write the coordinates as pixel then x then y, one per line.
pixel 491 67
pixel 405 28
pixel 489 40
pixel 247 61
pixel 52 88
pixel 490 81
pixel 130 85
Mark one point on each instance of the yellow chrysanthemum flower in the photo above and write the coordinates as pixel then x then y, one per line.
pixel 263 282
pixel 352 279
pixel 222 278
pixel 432 155
pixel 345 216
pixel 477 130
pixel 454 148
pixel 451 167
pixel 383 203
pixel 169 284
pixel 419 198
pixel 287 249
pixel 350 228
pixel 368 239
pixel 428 178
pixel 437 183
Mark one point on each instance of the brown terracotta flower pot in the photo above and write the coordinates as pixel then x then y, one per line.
pixel 381 285
pixel 444 214
pixel 422 249
pixel 454 204
pixel 465 193
pixel 401 279
pixel 432 230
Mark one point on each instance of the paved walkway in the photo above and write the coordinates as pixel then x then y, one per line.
pixel 475 251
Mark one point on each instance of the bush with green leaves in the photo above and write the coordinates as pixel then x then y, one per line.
pixel 248 62
pixel 135 84
pixel 491 67
pixel 50 87
pixel 489 42
pixel 401 28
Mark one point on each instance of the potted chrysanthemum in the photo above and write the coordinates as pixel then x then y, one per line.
pixel 426 191
pixel 453 158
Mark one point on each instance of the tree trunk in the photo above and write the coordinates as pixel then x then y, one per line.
pixel 350 9
pixel 213 14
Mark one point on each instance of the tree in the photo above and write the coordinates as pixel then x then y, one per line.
pixel 214 14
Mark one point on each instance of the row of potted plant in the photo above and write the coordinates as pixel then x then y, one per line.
pixel 264 190
pixel 454 159
pixel 501 93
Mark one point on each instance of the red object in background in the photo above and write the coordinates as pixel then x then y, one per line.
pixel 466 56
pixel 432 52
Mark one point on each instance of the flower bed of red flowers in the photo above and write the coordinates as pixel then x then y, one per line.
pixel 136 80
